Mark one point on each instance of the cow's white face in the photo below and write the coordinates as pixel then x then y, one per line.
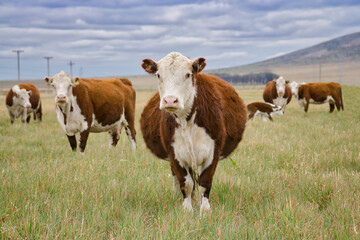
pixel 280 86
pixel 294 86
pixel 22 97
pixel 176 82
pixel 62 84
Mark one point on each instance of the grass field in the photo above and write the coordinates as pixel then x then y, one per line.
pixel 295 178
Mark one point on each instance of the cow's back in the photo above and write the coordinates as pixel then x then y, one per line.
pixel 106 98
pixel 319 91
pixel 232 109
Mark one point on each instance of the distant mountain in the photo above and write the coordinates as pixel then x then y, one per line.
pixel 341 49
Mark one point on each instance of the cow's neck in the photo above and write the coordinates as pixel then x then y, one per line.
pixel 187 114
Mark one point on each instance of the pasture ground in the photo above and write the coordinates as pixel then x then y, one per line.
pixel 295 178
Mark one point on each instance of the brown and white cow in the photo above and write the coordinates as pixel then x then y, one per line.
pixel 277 92
pixel 318 93
pixel 94 105
pixel 265 110
pixel 23 99
pixel 194 120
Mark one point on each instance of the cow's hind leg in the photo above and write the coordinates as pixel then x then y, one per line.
pixel 114 136
pixel 28 118
pixel 332 106
pixel 72 141
pixel 130 129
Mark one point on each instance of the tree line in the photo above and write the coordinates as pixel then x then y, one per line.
pixel 251 78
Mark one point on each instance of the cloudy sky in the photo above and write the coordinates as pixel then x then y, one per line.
pixel 111 37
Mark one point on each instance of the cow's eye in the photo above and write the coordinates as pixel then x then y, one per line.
pixel 187 75
pixel 158 75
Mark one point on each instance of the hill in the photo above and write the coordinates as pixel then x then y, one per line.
pixel 334 60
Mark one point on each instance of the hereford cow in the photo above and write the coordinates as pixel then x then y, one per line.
pixel 94 105
pixel 277 92
pixel 23 99
pixel 318 93
pixel 194 120
pixel 265 110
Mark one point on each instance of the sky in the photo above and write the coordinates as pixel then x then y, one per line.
pixel 111 37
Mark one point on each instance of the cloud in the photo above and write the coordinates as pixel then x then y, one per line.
pixel 105 36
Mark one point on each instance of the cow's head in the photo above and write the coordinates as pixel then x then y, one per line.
pixel 294 86
pixel 280 86
pixel 22 97
pixel 176 82
pixel 62 84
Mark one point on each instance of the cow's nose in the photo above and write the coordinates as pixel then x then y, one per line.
pixel 28 105
pixel 171 102
pixel 61 98
pixel 281 93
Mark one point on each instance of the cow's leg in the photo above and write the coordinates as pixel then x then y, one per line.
pixel 12 117
pixel 114 136
pixel 34 115
pixel 39 113
pixel 83 139
pixel 130 129
pixel 332 106
pixel 263 118
pixel 185 181
pixel 72 141
pixel 271 119
pixel 28 118
pixel 337 102
pixel 306 106
pixel 251 115
pixel 205 182
pixel 24 116
pixel 176 184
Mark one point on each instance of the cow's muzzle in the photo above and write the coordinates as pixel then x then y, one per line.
pixel 170 103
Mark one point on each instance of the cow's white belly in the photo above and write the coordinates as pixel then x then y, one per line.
pixel 280 101
pixel 193 147
pixel 328 99
pixel 97 127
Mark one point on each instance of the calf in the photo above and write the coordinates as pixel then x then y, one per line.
pixel 194 120
pixel 94 105
pixel 277 92
pixel 23 99
pixel 318 93
pixel 264 110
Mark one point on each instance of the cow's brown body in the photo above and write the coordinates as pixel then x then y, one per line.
pixel 34 101
pixel 218 108
pixel 270 95
pixel 263 109
pixel 319 93
pixel 97 105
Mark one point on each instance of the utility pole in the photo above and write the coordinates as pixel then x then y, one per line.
pixel 18 61
pixel 48 65
pixel 71 64
pixel 320 71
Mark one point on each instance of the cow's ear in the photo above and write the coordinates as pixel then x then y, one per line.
pixel 198 65
pixel 287 81
pixel 75 81
pixel 149 66
pixel 48 80
pixel 29 92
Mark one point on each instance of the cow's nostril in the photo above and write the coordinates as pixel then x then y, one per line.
pixel 176 100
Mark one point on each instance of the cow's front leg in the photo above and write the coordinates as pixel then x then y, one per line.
pixel 83 139
pixel 185 181
pixel 12 117
pixel 24 116
pixel 72 141
pixel 205 182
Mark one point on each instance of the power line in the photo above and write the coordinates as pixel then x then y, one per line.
pixel 18 61
pixel 48 65
pixel 71 64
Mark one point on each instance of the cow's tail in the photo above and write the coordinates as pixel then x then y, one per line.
pixel 126 81
pixel 341 100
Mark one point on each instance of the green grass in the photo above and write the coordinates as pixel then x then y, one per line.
pixel 295 178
